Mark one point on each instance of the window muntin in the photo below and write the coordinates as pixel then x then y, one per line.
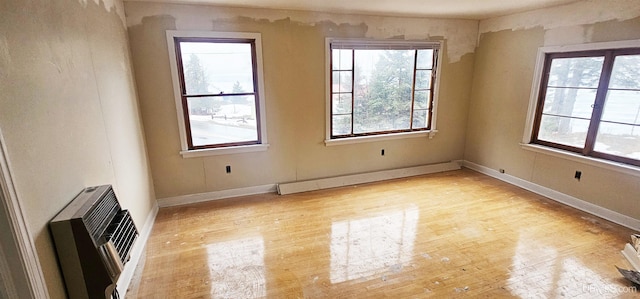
pixel 219 91
pixel 589 103
pixel 381 88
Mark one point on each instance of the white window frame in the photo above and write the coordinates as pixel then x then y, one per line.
pixel 389 136
pixel 533 101
pixel 185 151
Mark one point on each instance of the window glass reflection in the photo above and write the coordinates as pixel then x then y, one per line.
pixel 538 271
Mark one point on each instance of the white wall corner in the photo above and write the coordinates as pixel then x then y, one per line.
pixel 562 198
pixel 137 252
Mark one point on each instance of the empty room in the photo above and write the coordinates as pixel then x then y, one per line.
pixel 319 149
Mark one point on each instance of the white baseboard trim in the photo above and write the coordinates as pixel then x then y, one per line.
pixel 215 195
pixel 347 180
pixel 565 199
pixel 136 253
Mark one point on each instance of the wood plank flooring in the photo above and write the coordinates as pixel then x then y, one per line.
pixel 453 234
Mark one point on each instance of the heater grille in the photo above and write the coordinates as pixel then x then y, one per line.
pixel 99 217
pixel 122 233
pixel 93 237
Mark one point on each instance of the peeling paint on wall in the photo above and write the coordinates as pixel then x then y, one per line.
pixel 293 47
pixel 579 13
pixel 504 69
pixel 460 34
pixel 109 6
pixel 68 112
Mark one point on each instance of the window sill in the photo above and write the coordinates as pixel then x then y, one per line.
pixel 373 138
pixel 605 164
pixel 224 151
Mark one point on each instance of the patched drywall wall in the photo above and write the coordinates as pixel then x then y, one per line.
pixel 500 99
pixel 503 74
pixel 293 45
pixel 460 34
pixel 585 12
pixel 68 112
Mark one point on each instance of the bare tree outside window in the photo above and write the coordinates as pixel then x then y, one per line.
pixel 381 90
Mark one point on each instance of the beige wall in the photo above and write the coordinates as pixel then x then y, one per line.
pixel 68 112
pixel 503 73
pixel 294 74
pixel 69 116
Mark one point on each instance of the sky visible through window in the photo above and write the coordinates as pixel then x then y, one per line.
pixel 224 64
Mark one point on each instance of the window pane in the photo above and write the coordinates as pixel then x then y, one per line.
pixel 575 72
pixel 622 106
pixel 566 109
pixel 341 125
pixel 569 102
pixel 421 100
pixel 620 140
pixel 390 121
pixel 425 59
pixel 341 60
pixel 342 81
pixel 419 119
pixel 384 80
pixel 228 119
pixel 423 79
pixel 626 72
pixel 563 130
pixel 341 103
pixel 213 68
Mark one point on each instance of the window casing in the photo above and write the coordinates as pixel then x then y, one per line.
pixel 381 88
pixel 218 87
pixel 588 103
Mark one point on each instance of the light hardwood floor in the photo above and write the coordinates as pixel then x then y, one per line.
pixel 453 234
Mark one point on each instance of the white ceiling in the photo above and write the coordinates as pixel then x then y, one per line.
pixel 466 9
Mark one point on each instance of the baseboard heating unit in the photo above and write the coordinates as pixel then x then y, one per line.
pixel 93 237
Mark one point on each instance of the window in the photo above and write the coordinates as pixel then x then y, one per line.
pixel 218 89
pixel 378 87
pixel 589 103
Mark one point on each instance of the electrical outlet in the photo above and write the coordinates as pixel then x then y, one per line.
pixel 578 175
pixel 228 168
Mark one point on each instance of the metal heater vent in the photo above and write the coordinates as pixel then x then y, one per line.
pixel 94 237
pixel 99 217
pixel 122 233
